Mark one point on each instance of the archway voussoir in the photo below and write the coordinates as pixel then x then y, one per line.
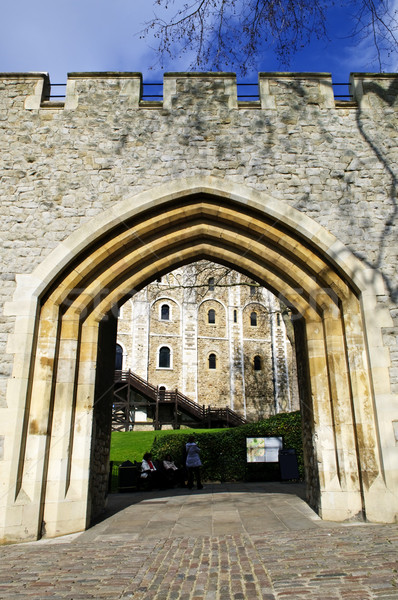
pixel 328 290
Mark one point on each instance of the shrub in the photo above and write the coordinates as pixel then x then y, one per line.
pixel 223 453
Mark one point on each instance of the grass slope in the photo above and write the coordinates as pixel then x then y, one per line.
pixel 132 445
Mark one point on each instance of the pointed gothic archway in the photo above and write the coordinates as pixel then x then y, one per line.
pixel 66 315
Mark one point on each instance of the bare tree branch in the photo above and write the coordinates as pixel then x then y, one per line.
pixel 379 22
pixel 224 33
pixel 195 278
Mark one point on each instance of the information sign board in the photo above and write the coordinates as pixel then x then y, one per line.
pixel 263 449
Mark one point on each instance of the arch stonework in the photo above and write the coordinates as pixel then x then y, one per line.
pixel 61 307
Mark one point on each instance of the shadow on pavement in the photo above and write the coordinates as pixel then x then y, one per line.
pixel 117 502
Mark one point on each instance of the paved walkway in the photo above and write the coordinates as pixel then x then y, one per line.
pixel 226 542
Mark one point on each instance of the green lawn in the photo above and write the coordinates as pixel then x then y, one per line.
pixel 132 445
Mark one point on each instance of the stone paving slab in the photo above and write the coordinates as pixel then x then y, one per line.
pixel 287 559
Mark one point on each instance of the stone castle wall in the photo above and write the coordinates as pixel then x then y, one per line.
pixel 318 178
pixel 63 164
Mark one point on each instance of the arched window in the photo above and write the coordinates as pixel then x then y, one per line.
pixel 253 319
pixel 257 363
pixel 165 312
pixel 162 392
pixel 212 361
pixel 119 358
pixel 211 284
pixel 164 357
pixel 211 315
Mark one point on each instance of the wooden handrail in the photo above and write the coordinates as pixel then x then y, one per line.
pixel 183 402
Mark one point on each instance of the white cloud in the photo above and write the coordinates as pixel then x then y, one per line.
pixel 78 35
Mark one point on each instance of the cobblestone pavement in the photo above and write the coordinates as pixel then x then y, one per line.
pixel 253 542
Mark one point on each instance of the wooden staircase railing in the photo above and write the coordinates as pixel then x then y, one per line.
pixel 200 413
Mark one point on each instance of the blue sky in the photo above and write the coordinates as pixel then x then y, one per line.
pixel 103 35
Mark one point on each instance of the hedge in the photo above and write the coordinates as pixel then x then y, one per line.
pixel 223 453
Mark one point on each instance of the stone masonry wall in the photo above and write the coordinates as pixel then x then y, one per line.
pixel 62 165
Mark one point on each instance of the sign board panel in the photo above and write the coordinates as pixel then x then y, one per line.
pixel 263 449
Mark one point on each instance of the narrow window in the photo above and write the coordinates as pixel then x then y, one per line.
pixel 235 315
pixel 253 319
pixel 212 361
pixel 164 357
pixel 257 363
pixel 278 319
pixel 165 312
pixel 119 358
pixel 162 392
pixel 211 315
pixel 211 284
pixel 252 290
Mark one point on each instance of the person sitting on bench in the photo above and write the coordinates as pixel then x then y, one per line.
pixel 174 475
pixel 149 472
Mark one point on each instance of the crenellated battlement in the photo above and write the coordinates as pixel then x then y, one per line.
pixel 275 90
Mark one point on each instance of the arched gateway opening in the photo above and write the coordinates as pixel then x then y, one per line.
pixel 66 327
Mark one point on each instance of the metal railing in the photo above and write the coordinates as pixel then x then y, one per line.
pixel 52 96
pixel 247 92
pixel 342 97
pixel 152 91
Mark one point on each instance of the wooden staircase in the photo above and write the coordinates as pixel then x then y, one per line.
pixel 169 407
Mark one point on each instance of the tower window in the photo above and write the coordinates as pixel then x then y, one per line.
pixel 119 358
pixel 257 363
pixel 164 357
pixel 211 284
pixel 235 315
pixel 212 361
pixel 165 312
pixel 253 319
pixel 211 316
pixel 252 290
pixel 278 319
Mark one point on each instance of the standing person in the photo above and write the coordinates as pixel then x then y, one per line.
pixel 193 463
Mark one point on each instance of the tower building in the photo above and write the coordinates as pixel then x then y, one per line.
pixel 215 335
